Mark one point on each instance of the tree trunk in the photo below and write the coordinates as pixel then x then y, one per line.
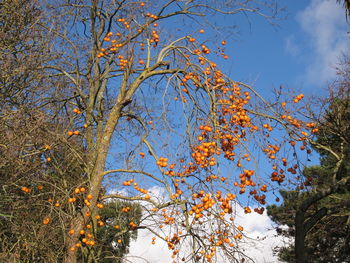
pixel 299 242
pixel 76 225
pixel 95 184
pixel 81 219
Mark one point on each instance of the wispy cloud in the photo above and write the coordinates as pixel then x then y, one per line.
pixel 292 46
pixel 325 39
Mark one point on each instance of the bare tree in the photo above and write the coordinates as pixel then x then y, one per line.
pixel 141 89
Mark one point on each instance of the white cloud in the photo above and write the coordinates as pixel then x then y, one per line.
pixel 323 22
pixel 159 193
pixel 116 191
pixel 292 46
pixel 142 250
pixel 263 236
pixel 262 239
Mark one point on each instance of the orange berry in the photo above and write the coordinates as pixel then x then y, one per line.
pixel 46 220
pixel 47 147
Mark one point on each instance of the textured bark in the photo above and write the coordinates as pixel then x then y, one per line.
pixel 95 186
pixel 76 224
pixel 96 176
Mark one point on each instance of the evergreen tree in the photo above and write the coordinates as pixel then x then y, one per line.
pixel 324 207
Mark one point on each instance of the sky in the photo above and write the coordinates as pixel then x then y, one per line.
pixel 300 53
pixel 259 246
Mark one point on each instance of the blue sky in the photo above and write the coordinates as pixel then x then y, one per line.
pixel 299 53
